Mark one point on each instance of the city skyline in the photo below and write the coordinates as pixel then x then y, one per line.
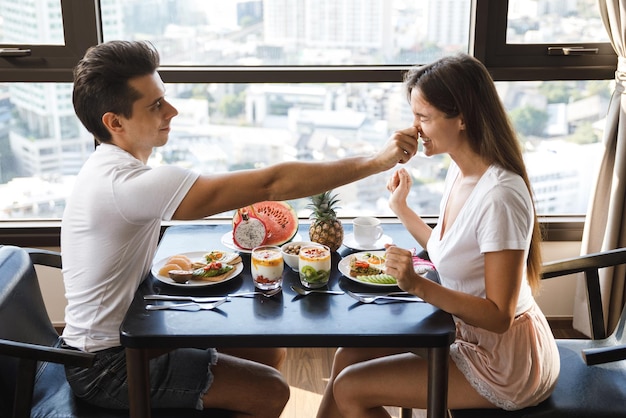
pixel 227 126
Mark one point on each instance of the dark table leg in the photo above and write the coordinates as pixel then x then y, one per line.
pixel 438 358
pixel 138 382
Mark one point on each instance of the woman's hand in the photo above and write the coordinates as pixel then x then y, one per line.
pixel 399 264
pixel 399 185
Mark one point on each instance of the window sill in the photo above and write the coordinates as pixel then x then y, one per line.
pixel 46 233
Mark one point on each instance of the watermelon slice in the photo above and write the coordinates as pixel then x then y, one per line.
pixel 279 218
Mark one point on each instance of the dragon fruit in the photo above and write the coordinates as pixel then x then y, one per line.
pixel 249 231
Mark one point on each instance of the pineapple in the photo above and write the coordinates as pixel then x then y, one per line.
pixel 326 228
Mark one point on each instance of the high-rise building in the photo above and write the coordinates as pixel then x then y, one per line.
pixel 448 22
pixel 345 24
pixel 45 138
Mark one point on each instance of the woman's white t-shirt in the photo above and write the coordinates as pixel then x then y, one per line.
pixel 109 234
pixel 498 215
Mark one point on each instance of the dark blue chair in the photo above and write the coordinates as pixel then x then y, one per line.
pixel 32 374
pixel 592 383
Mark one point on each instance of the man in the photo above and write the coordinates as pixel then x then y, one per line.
pixel 111 226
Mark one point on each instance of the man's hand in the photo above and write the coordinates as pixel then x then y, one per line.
pixel 400 148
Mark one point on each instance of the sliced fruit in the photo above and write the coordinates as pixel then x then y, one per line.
pixel 279 218
pixel 248 230
pixel 377 279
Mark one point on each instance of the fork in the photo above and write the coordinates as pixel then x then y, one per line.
pixel 371 299
pixel 188 306
pixel 304 292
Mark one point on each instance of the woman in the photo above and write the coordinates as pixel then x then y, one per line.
pixel 486 248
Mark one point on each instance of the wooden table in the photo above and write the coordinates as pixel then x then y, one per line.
pixel 285 320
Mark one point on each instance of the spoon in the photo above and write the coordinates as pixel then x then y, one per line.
pixel 304 292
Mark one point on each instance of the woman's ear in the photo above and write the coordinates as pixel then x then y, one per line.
pixel 112 122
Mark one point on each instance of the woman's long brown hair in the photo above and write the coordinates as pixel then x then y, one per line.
pixel 461 85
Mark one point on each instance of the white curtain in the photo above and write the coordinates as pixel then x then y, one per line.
pixel 605 227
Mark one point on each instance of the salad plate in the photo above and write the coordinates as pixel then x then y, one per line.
pixel 344 268
pixel 420 265
pixel 194 256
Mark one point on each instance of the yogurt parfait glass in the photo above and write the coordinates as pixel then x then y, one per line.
pixel 314 265
pixel 266 265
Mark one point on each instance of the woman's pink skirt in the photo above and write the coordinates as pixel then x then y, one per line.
pixel 513 370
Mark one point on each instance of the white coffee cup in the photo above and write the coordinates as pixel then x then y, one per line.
pixel 367 230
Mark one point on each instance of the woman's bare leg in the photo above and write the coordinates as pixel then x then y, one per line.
pixel 345 357
pixel 362 389
pixel 248 388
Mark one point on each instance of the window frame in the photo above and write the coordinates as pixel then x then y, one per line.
pixel 516 62
pixel 83 28
pixel 54 63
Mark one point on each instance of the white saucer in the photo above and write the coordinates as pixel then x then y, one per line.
pixel 350 242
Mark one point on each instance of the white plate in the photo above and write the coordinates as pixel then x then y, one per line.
pixel 350 242
pixel 344 268
pixel 227 241
pixel 194 256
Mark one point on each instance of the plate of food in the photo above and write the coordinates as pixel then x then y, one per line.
pixel 368 268
pixel 199 268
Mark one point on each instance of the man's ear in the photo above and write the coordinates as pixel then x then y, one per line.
pixel 112 122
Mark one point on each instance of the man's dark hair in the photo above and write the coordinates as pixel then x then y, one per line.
pixel 101 82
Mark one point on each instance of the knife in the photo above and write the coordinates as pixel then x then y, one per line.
pixel 185 298
pixel 205 299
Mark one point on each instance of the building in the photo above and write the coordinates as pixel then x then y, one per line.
pixel 359 26
pixel 45 137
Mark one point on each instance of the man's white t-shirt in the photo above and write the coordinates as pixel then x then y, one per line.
pixel 498 215
pixel 109 234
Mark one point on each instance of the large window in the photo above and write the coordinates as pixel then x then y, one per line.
pixel 543 40
pixel 262 81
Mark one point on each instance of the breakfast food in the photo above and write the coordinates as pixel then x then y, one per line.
pixel 176 262
pixel 314 265
pixel 215 266
pixel 326 228
pixel 378 279
pixel 213 272
pixel 180 276
pixel 293 249
pixel 218 266
pixel 248 230
pixel 279 218
pixel 267 267
pixel 365 265
pixel 223 257
pixel 370 268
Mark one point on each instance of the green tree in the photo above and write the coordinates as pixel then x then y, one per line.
pixel 556 91
pixel 601 88
pixel 584 134
pixel 529 120
pixel 231 105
